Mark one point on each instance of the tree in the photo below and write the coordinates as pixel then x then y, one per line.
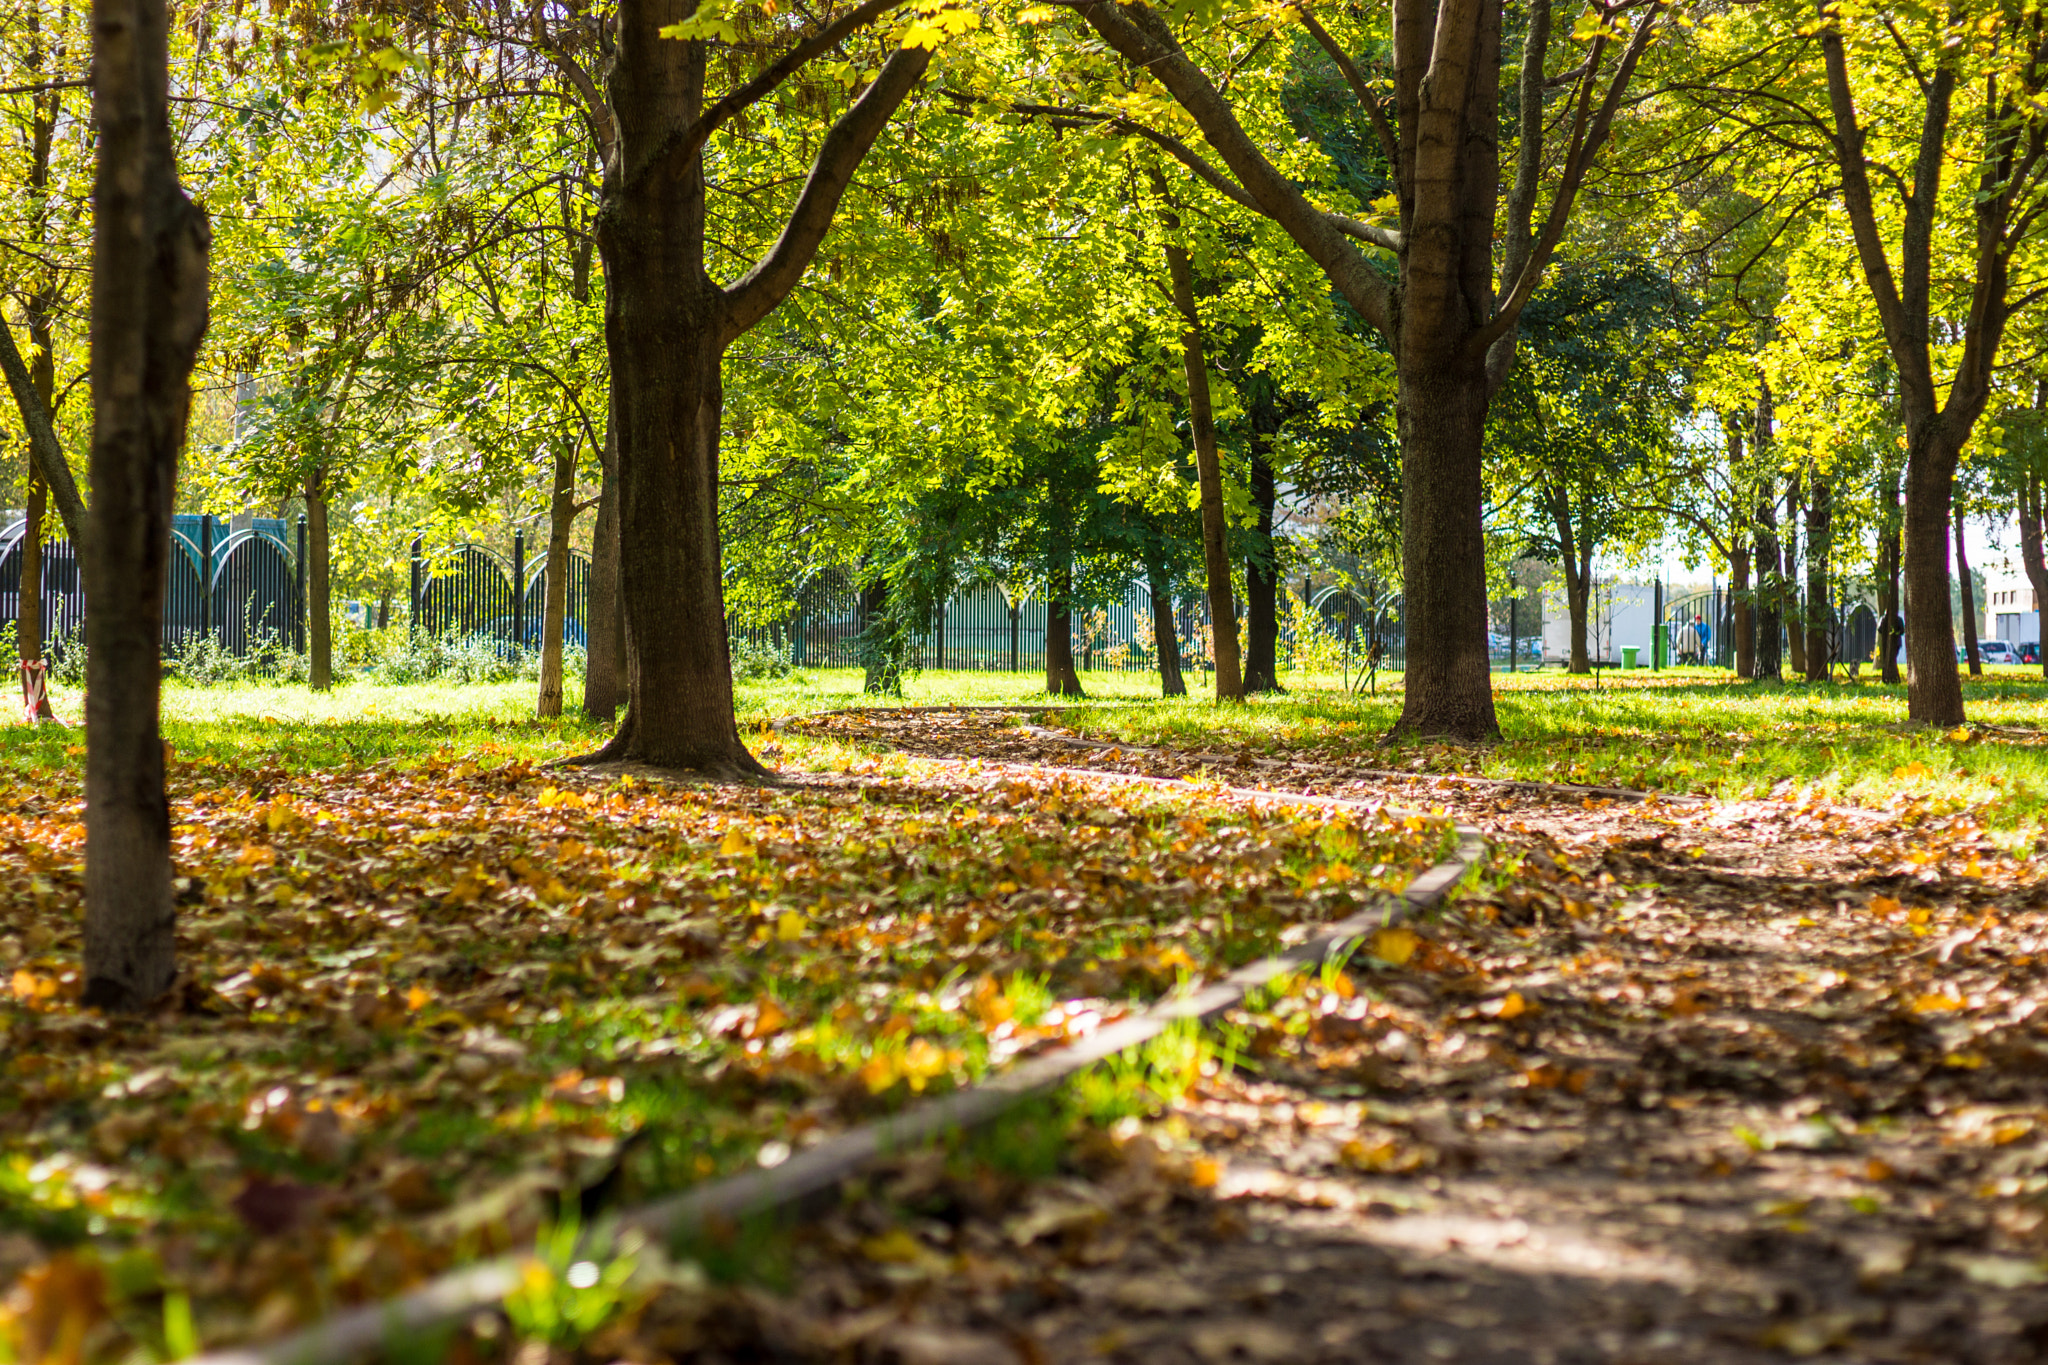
pixel 1893 100
pixel 149 312
pixel 668 324
pixel 1449 317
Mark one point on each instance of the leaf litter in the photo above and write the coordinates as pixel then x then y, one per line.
pixel 424 1013
pixel 1755 1081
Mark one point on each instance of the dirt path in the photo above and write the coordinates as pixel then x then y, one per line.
pixel 1684 1083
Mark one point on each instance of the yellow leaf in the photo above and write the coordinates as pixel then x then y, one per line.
pixel 894 1247
pixel 1935 1004
pixel 1394 946
pixel 1511 1006
pixel 1204 1172
pixel 418 997
pixel 1962 734
pixel 736 844
pixel 791 927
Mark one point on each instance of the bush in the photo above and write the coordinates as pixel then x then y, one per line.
pixel 753 661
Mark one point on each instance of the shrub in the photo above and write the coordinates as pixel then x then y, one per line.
pixel 752 660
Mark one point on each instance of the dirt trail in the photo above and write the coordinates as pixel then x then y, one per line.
pixel 1688 1083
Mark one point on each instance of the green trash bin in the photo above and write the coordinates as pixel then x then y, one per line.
pixel 1628 655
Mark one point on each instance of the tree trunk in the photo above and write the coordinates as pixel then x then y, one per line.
pixel 149 298
pixel 605 633
pixel 319 589
pixel 1743 608
pixel 1165 631
pixel 1209 477
pixel 1795 610
pixel 1969 596
pixel 1820 533
pixel 881 676
pixel 28 627
pixel 1262 584
pixel 1060 678
pixel 1934 686
pixel 667 327
pixel 1768 622
pixel 1888 634
pixel 1577 579
pixel 2033 505
pixel 1448 687
pixel 555 602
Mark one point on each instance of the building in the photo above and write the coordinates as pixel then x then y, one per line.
pixel 2011 611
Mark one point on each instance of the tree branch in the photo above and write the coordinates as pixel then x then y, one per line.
pixel 44 451
pixel 754 295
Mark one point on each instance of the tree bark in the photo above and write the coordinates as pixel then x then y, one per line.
pixel 1208 476
pixel 1448 681
pixel 1743 608
pixel 1262 585
pixel 2033 502
pixel 1768 622
pixel 1934 686
pixel 1577 580
pixel 1820 533
pixel 149 314
pixel 1888 634
pixel 1969 596
pixel 1795 610
pixel 555 590
pixel 605 632
pixel 667 327
pixel 1060 678
pixel 319 585
pixel 1165 634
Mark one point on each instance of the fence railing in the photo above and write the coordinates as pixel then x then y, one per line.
pixel 233 580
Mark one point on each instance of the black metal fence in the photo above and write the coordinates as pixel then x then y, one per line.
pixel 235 581
pixel 467 591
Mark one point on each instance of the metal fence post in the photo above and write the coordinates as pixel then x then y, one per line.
pixel 519 589
pixel 299 583
pixel 413 614
pixel 205 575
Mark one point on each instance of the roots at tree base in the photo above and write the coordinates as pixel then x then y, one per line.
pixel 720 756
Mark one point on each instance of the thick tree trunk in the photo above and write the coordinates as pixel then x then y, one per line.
pixel 149 298
pixel 1820 533
pixel 1060 678
pixel 2033 506
pixel 1165 634
pixel 667 326
pixel 604 660
pixel 1743 608
pixel 319 586
pixel 1934 687
pixel 1262 585
pixel 555 599
pixel 1969 596
pixel 1448 687
pixel 1209 478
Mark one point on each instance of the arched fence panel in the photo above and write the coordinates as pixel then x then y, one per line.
pixel 576 612
pixel 255 601
pixel 470 593
pixel 63 589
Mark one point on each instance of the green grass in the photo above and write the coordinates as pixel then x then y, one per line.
pixel 1697 731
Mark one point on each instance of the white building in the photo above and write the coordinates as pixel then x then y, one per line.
pixel 2011 612
pixel 1619 616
